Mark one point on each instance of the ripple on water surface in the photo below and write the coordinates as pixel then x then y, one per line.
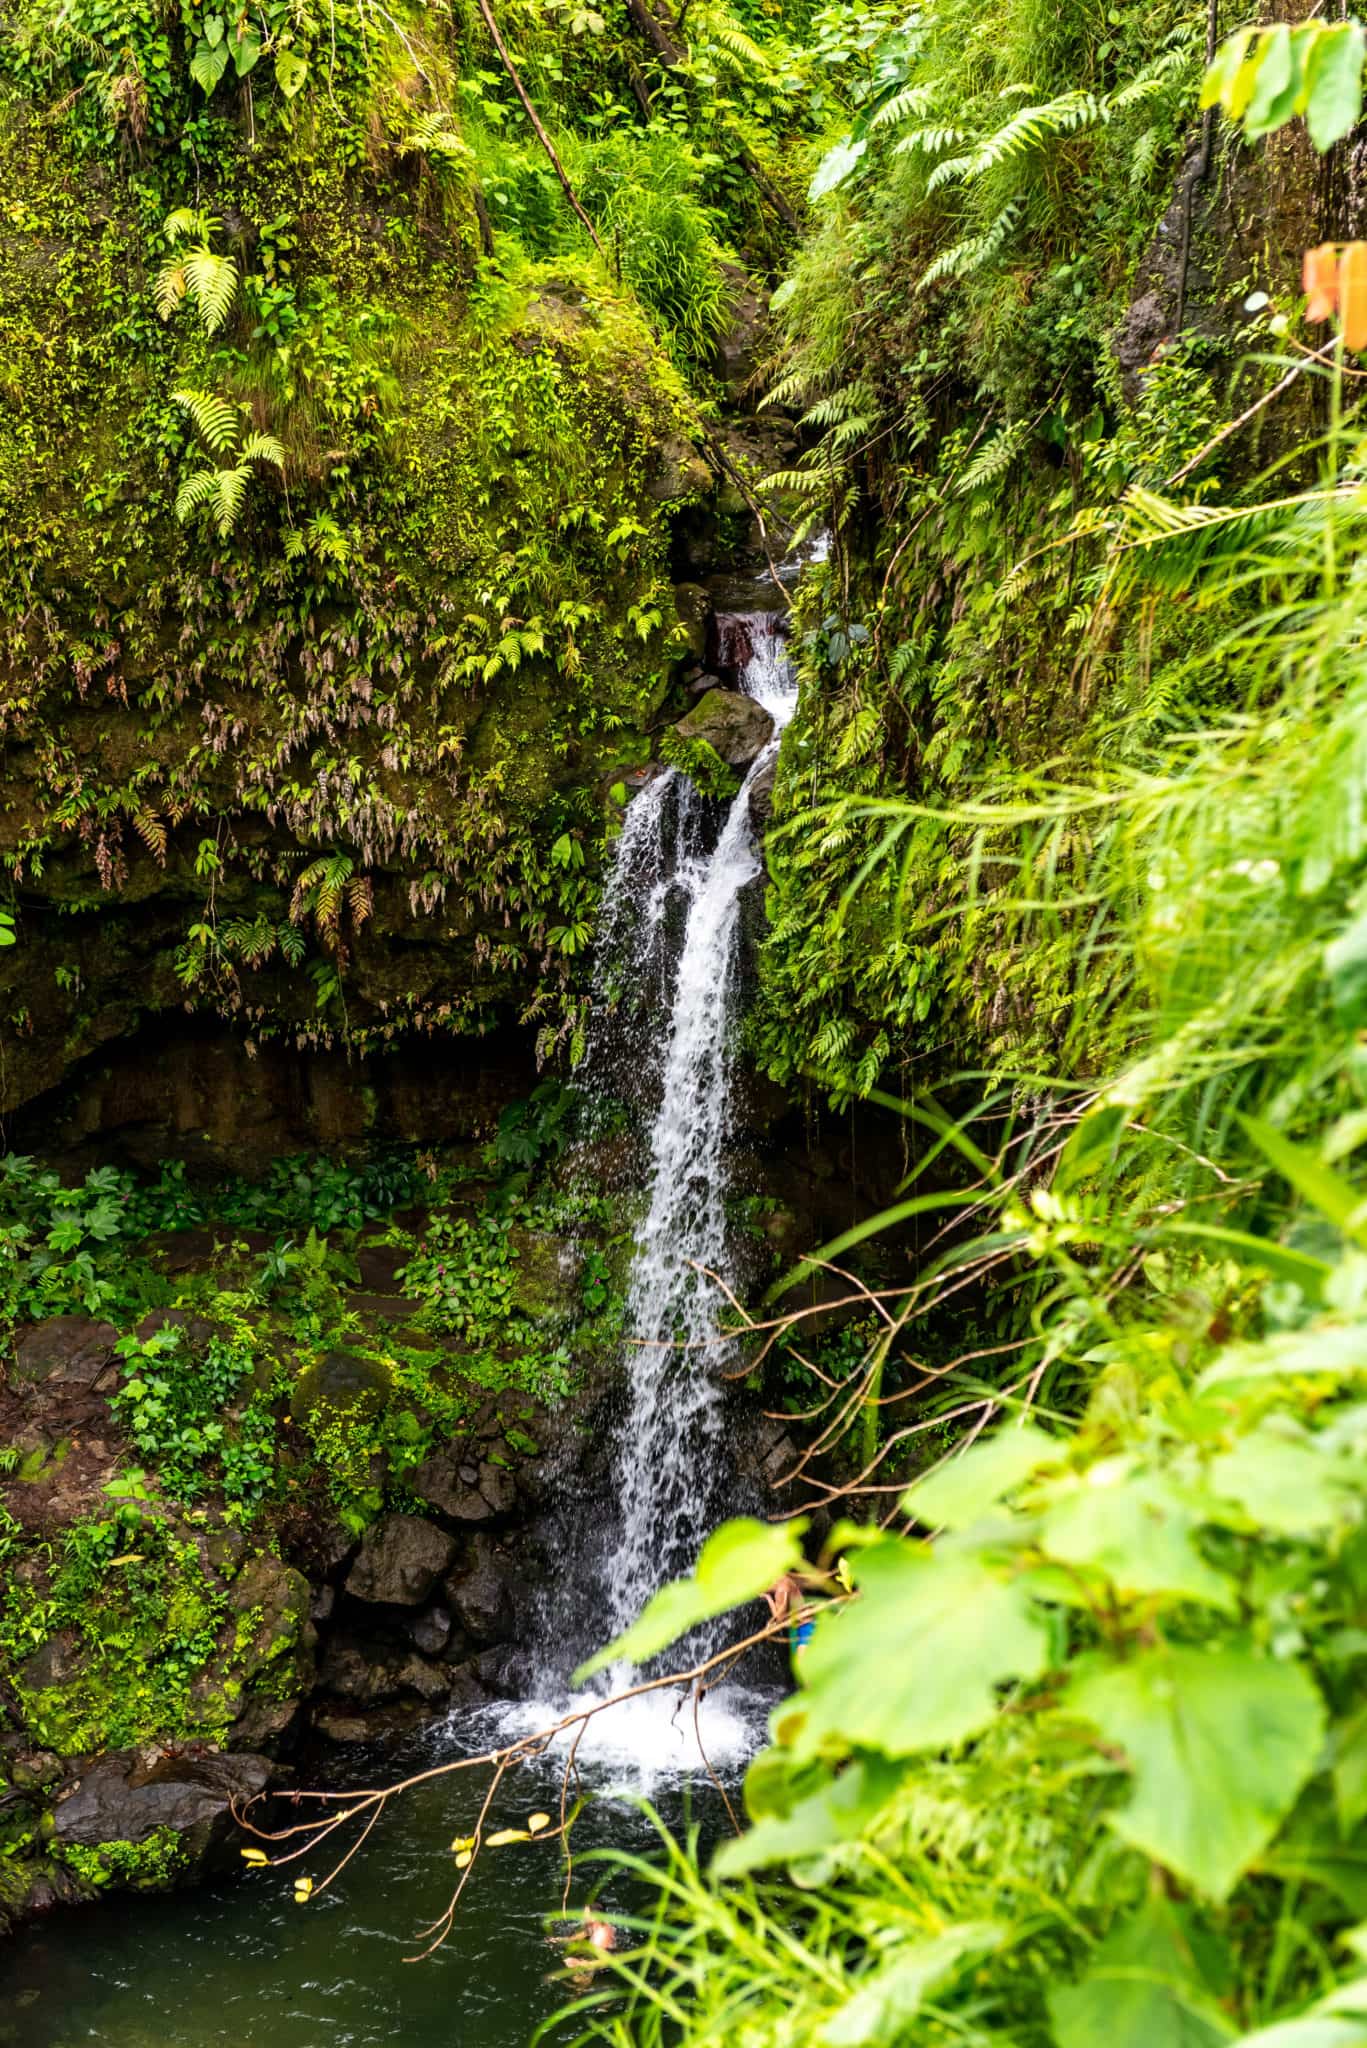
pixel 240 1963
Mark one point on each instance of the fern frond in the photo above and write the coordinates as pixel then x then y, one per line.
pixel 217 420
pixel 787 389
pixel 838 405
pixel 930 141
pixel 184 221
pixel 212 281
pixel 992 459
pixel 169 288
pixel 232 489
pixel 974 250
pixel 262 448
pixel 195 491
pixel 912 99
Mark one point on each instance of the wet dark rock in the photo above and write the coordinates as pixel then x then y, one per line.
pixel 374 1675
pixel 379 1266
pixel 197 1330
pixel 344 1383
pixel 679 473
pixel 362 1676
pixel 431 1632
pixel 546 1277
pixel 65 1351
pixel 129 1794
pixel 181 1251
pixel 400 1561
pixel 269 1727
pixel 734 725
pixel 387 1308
pixel 693 605
pixel 270 1603
pixel 461 1490
pixel 761 797
pixel 60 1659
pixel 483 1590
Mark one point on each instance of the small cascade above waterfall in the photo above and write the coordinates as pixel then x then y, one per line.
pixel 669 971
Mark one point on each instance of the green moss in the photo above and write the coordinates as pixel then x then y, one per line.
pixel 152 1865
pixel 701 763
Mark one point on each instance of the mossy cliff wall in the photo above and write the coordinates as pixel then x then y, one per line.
pixel 345 769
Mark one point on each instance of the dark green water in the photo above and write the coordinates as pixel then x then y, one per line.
pixel 241 1963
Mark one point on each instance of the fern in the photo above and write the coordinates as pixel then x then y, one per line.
pixel 975 250
pixel 912 99
pixel 202 275
pixel 992 460
pixel 218 422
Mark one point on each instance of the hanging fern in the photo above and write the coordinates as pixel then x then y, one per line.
pixel 222 491
pixel 209 280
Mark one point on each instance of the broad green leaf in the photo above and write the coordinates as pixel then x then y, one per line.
pixel 208 63
pixel 1136 1528
pixel 739 1563
pixel 1282 1261
pixel 1335 1348
pixel 246 48
pixel 1091 1145
pixel 891 1997
pixel 1333 84
pixel 1277 83
pixel 1334 1197
pixel 1219 1742
pixel 1283 1482
pixel 914 1663
pixel 1345 964
pixel 835 167
pixel 980 1476
pixel 1312 1849
pixel 841 1811
pixel 290 72
pixel 1350 1768
pixel 1143 1987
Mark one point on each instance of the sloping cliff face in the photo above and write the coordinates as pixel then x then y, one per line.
pixel 330 754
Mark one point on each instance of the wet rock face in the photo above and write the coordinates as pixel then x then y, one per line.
pixel 71 1351
pixel 735 726
pixel 127 1795
pixel 400 1562
pixel 485 1590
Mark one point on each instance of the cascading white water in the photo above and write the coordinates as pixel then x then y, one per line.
pixel 666 1001
pixel 666 1456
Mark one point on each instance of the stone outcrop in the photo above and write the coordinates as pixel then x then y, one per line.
pixel 733 725
pixel 131 1794
pixel 400 1561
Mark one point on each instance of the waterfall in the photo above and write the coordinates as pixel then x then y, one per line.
pixel 663 875
pixel 667 1001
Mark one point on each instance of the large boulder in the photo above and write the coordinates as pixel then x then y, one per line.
pixel 733 725
pixel 482 1590
pixel 131 1794
pixel 371 1675
pixel 457 1486
pixel 65 1351
pixel 342 1383
pixel 400 1562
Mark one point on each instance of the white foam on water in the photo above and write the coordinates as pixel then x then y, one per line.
pixel 638 1743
